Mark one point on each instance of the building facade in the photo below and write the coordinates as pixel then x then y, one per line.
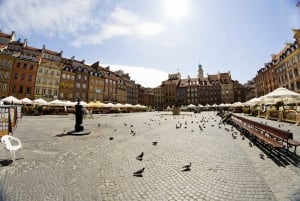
pixel 22 82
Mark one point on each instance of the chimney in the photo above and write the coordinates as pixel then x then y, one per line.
pixel 25 42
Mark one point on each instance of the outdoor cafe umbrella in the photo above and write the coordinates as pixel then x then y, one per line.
pixel 11 100
pixel 40 101
pixel 254 101
pixel 280 94
pixel 191 106
pixel 96 104
pixel 26 101
pixel 57 102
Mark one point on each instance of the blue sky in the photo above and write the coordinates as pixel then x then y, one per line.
pixel 150 38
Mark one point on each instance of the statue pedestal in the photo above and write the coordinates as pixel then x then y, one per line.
pixel 79 129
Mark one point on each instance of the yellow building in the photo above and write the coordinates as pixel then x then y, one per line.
pixel 48 75
pixel 96 83
pixel 6 66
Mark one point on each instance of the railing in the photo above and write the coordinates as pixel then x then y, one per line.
pixel 274 115
pixel 290 116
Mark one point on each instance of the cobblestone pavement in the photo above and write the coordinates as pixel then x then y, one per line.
pixel 93 167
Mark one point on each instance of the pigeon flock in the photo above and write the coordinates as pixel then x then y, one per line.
pixel 184 124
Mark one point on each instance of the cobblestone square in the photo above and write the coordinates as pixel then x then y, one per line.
pixel 95 167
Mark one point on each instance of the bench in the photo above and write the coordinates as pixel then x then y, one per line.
pixel 257 133
pixel 279 135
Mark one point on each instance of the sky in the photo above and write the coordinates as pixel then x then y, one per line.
pixel 151 38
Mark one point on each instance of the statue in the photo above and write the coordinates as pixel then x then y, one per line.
pixel 79 117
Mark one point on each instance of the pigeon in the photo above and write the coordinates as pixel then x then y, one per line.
pixel 125 124
pixel 187 167
pixel 261 155
pixel 140 157
pixel 111 138
pixel 154 143
pixel 243 138
pixel 139 172
pixel 250 144
pixel 99 125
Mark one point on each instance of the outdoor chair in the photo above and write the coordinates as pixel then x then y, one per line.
pixel 12 144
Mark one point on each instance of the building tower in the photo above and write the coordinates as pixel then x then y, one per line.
pixel 200 72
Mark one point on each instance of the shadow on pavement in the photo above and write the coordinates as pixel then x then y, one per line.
pixel 6 162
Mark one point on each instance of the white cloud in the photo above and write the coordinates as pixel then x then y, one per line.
pixel 121 22
pixel 73 19
pixel 147 77
pixel 52 18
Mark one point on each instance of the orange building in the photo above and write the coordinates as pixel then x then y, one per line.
pixel 22 83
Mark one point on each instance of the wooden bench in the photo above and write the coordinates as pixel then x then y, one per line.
pixel 279 135
pixel 257 133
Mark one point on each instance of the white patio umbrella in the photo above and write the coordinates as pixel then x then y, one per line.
pixel 11 100
pixel 280 94
pixel 254 101
pixel 191 106
pixel 83 103
pixel 57 102
pixel 26 101
pixel 40 101
pixel 69 103
pixel 237 104
pixel 108 105
pixel 128 105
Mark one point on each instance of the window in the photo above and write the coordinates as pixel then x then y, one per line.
pixel 49 92
pixel 25 66
pixel 296 73
pixel 14 89
pixel 77 85
pixel 21 89
pixel 1 75
pixel 16 76
pixel 18 64
pixel 37 91
pixel 27 90
pixel 5 87
pixel 31 66
pixel 9 64
pixel 43 92
pixel 40 70
pixel 46 71
pixel 23 76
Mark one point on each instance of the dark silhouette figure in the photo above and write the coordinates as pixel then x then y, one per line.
pixel 79 117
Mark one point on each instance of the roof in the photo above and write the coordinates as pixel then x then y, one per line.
pixel 52 52
pixel 2 46
pixel 4 35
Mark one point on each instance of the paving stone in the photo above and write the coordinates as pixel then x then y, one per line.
pixel 94 168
